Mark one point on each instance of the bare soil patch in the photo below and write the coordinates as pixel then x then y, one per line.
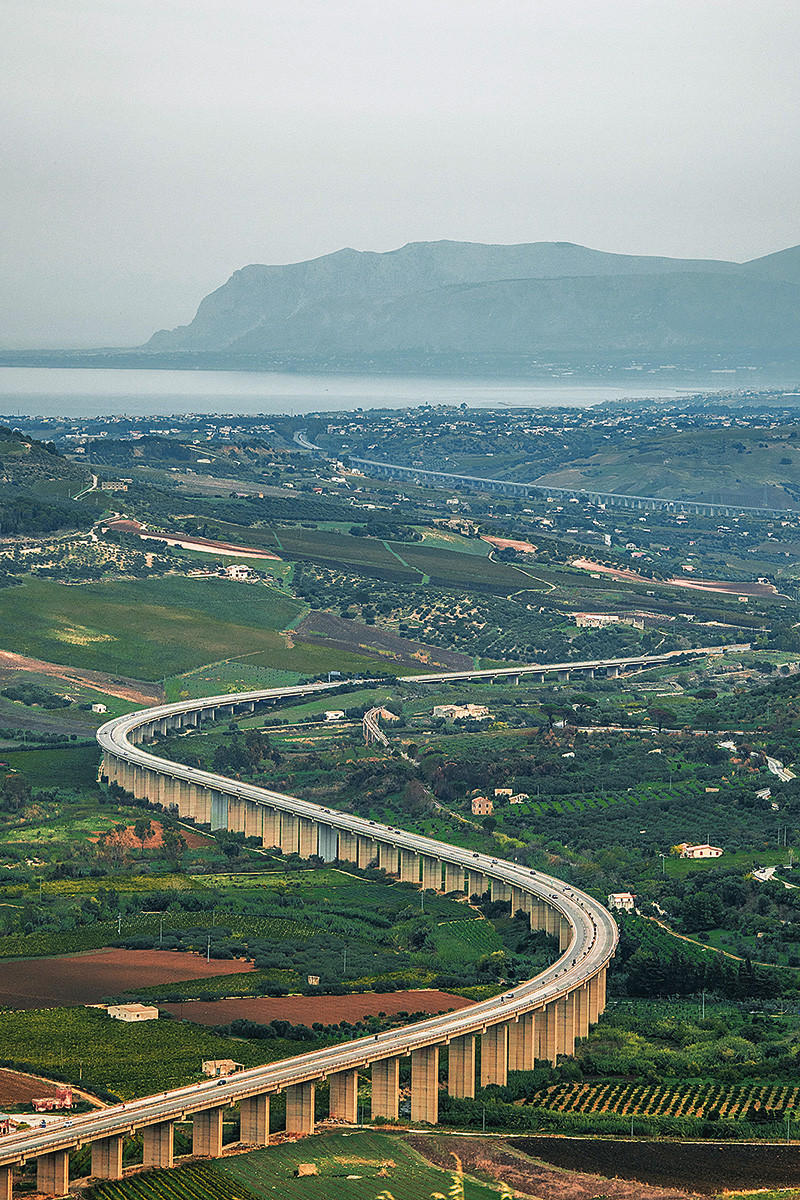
pixel 493 1158
pixel 357 638
pixel 510 543
pixel 304 1010
pixel 88 978
pixel 17 1088
pixel 703 1167
pixel 206 545
pixel 126 839
pixel 112 685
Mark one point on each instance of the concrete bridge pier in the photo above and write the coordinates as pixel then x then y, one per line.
pixel 521 1043
pixel 461 1066
pixel 300 1108
pixel 386 1088
pixel 388 858
pixel 425 1084
pixel 366 851
pixel 453 877
pixel 344 1096
pixel 6 1182
pixel 409 867
pixel 565 933
pixel 270 827
pixel 476 883
pixel 328 848
pixel 348 846
pixel 254 1111
pixel 563 676
pixel 52 1173
pixel 219 809
pixel 252 819
pixel 290 833
pixel 431 873
pixel 494 1055
pixel 236 808
pixel 308 838
pixel 158 1145
pixel 207 1133
pixel 548 1042
pixel 107 1157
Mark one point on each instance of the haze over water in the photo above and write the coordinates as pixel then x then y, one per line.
pixel 89 392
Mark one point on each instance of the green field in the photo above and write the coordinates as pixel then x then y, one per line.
pixel 74 767
pixel 357 1166
pixel 145 628
pixel 126 1060
pixel 337 1156
pixel 151 629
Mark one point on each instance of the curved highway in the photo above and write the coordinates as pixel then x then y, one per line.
pixel 590 941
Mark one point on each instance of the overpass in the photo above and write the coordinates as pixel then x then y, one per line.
pixel 540 1018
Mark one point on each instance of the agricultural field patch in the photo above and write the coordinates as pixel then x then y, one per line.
pixel 124 1059
pixel 73 767
pixel 701 1167
pixel 17 1087
pixel 710 1100
pixel 355 1167
pixel 88 978
pixel 305 1010
pixel 195 1181
pixel 150 628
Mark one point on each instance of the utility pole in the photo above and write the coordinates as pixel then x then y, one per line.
pixel 208 949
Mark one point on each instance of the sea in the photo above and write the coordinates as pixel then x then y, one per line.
pixel 76 392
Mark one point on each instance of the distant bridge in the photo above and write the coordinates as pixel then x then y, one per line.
pixel 512 487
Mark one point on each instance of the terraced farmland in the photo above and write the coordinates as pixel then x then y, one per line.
pixel 712 1101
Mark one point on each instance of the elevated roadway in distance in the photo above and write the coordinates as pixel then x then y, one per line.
pixel 514 487
pixel 540 1018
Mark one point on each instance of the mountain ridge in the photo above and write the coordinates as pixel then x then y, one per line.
pixel 533 296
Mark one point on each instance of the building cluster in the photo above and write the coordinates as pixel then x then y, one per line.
pixel 462 712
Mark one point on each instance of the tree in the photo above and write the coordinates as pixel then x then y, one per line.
pixel 174 845
pixel 142 829
pixel 661 715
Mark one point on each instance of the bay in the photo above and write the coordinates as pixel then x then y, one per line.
pixel 89 392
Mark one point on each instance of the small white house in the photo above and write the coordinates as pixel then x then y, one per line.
pixel 133 1012
pixel 701 851
pixel 99 708
pixel 624 901
pixel 334 714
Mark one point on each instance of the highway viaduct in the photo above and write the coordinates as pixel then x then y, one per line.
pixel 537 1019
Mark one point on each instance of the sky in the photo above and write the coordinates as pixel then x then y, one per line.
pixel 150 148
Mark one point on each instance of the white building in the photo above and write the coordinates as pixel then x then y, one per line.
pixel 462 712
pixel 99 708
pixel 701 851
pixel 624 901
pixel 133 1012
pixel 334 714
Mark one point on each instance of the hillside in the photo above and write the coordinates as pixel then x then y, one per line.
pixel 451 297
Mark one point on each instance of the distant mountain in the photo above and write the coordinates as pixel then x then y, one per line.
pixel 783 265
pixel 456 297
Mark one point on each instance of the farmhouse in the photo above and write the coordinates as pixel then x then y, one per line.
pixel 334 714
pixel 701 851
pixel 462 712
pixel 624 901
pixel 482 806
pixel 221 1066
pixel 133 1012
pixel 99 708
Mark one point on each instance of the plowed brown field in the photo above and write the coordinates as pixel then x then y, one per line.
pixel 303 1010
pixel 88 978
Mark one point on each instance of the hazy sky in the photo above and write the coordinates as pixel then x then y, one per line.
pixel 151 147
